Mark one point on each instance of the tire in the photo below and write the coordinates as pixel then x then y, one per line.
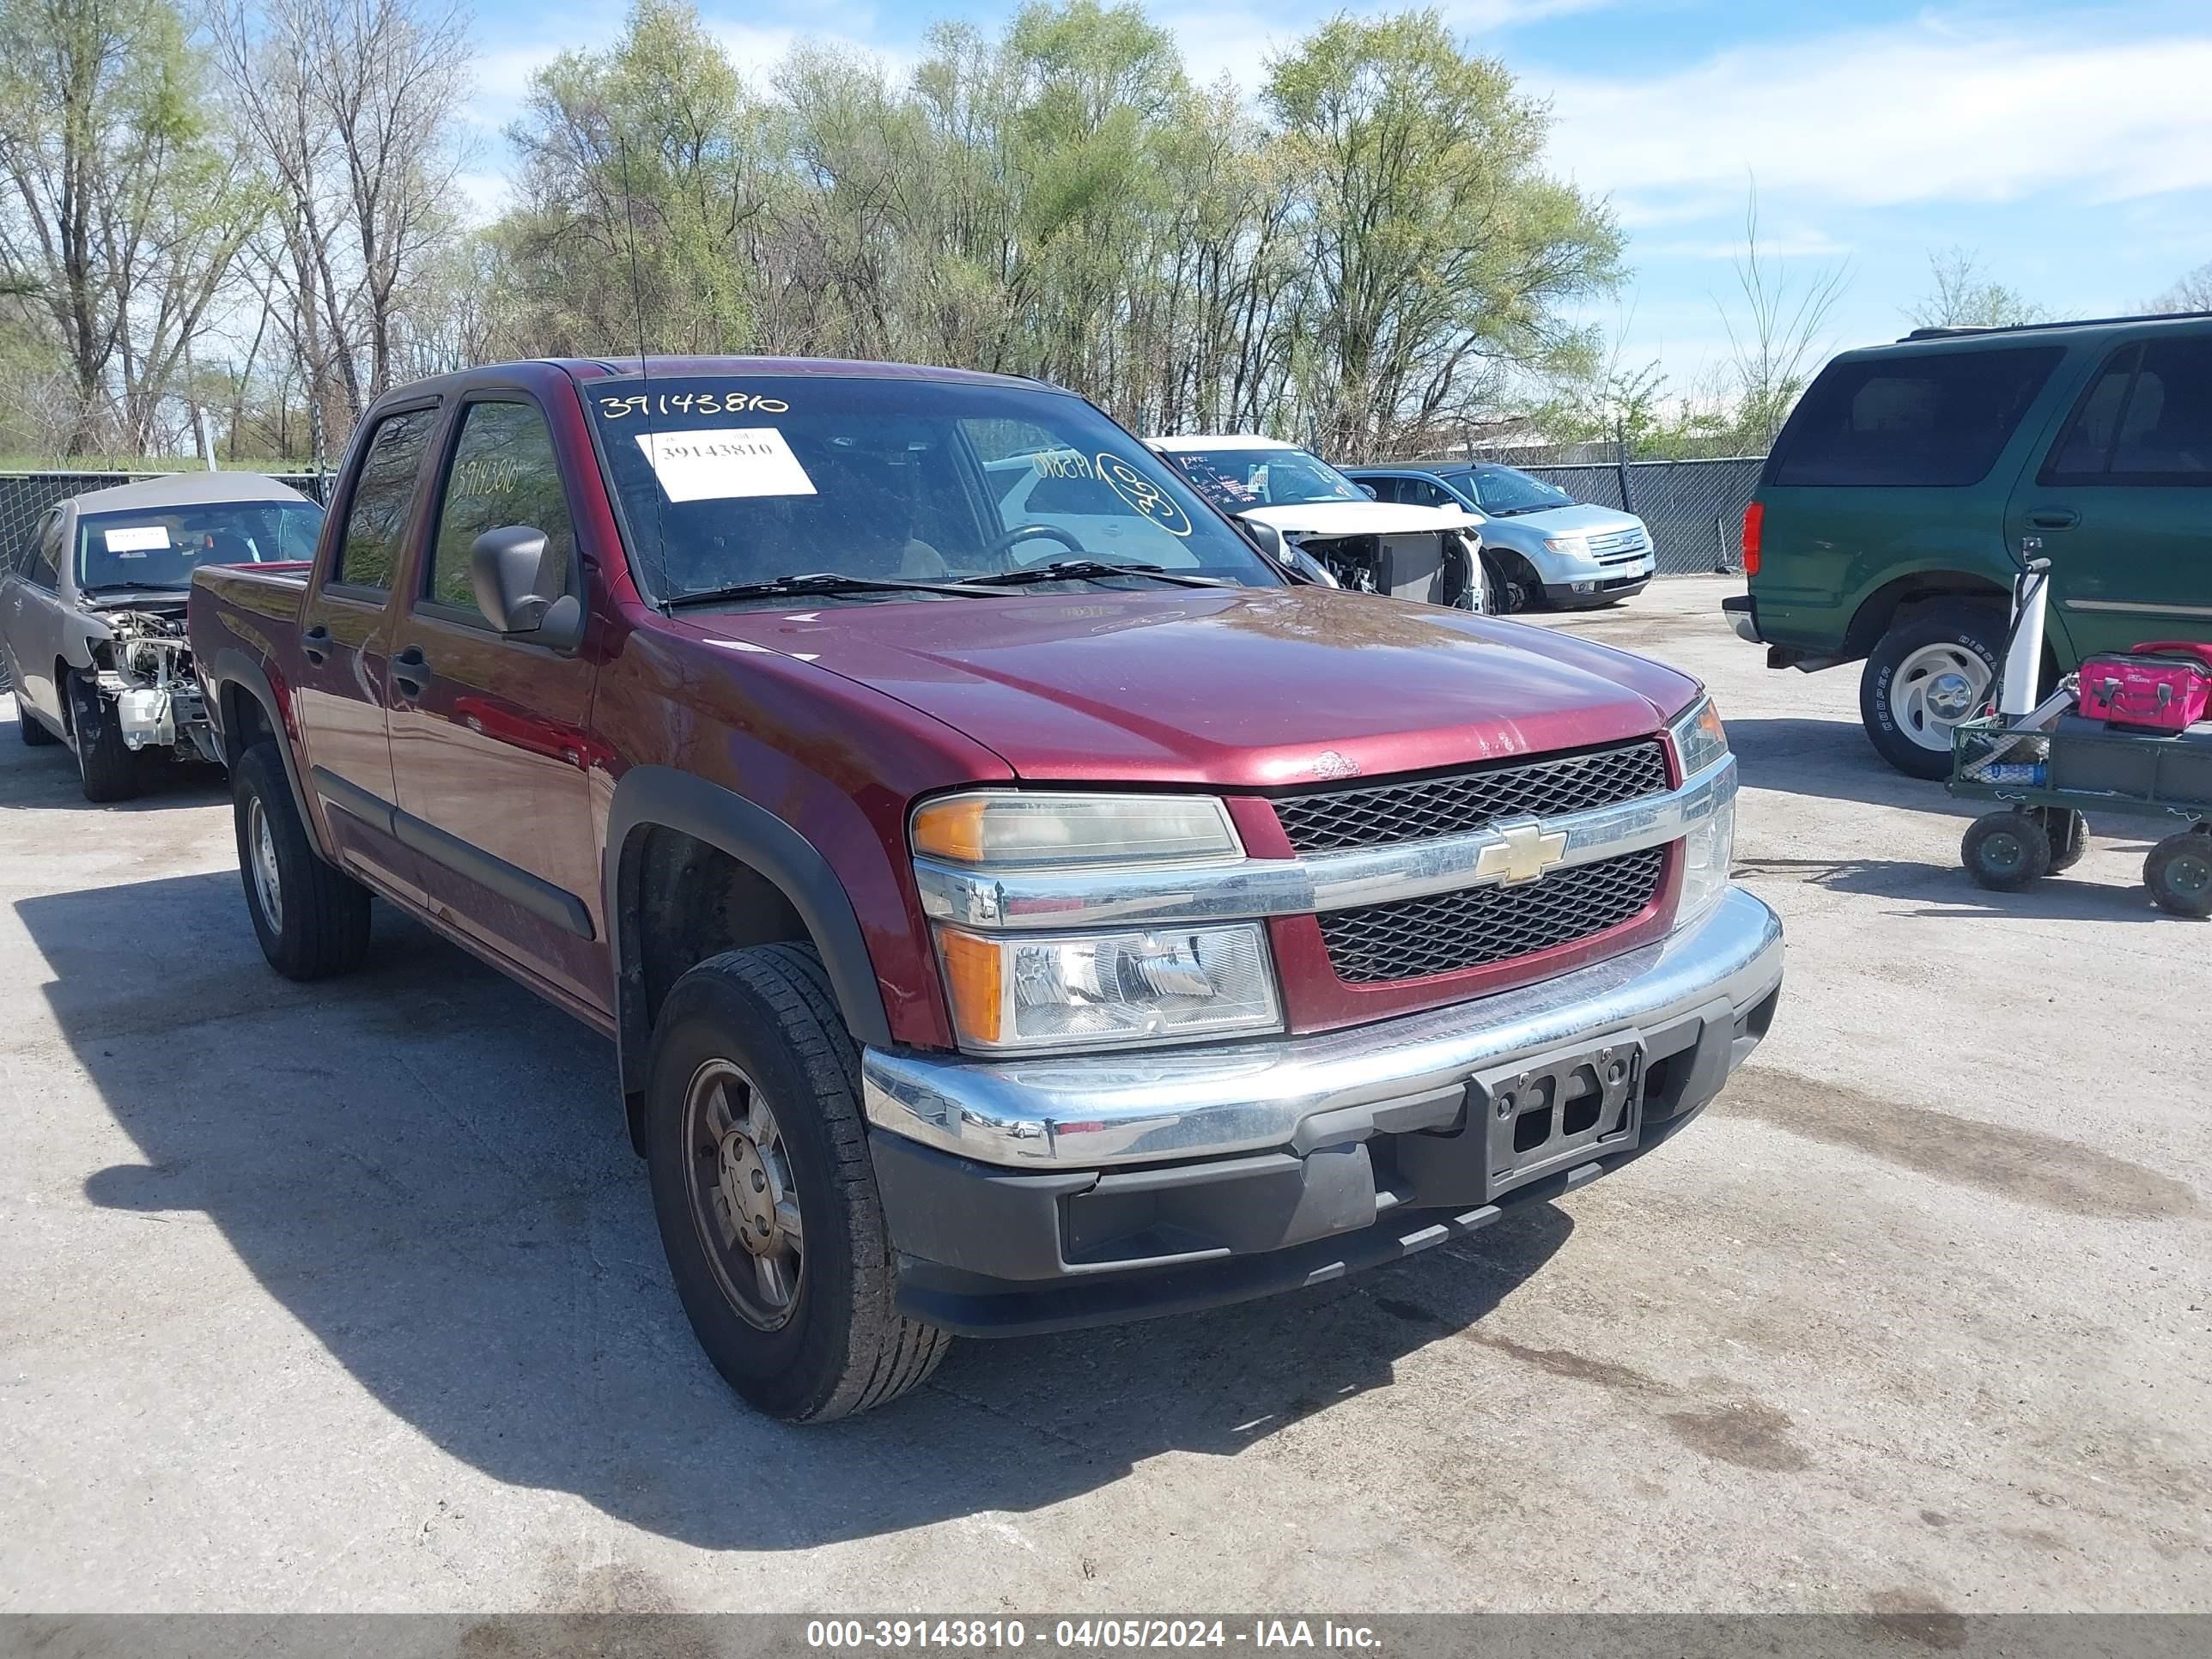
pixel 109 768
pixel 313 918
pixel 817 1337
pixel 2070 837
pixel 1909 727
pixel 34 732
pixel 1507 587
pixel 2178 873
pixel 2005 850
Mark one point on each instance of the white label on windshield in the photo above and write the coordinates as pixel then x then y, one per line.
pixel 139 538
pixel 723 463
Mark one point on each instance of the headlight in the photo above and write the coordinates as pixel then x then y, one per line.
pixel 1699 737
pixel 1106 990
pixel 1004 827
pixel 1708 850
pixel 1575 547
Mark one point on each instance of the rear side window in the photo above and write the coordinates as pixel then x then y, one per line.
pixel 2145 420
pixel 1935 419
pixel 376 517
pixel 503 473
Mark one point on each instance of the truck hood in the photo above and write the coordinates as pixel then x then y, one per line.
pixel 1359 518
pixel 1235 688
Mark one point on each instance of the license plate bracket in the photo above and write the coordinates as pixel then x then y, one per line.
pixel 1557 1110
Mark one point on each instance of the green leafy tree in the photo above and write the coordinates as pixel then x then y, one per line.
pixel 124 209
pixel 1442 255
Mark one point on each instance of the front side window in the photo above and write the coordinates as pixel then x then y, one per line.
pixel 1503 492
pixel 727 482
pixel 376 517
pixel 156 549
pixel 1931 419
pixel 503 472
pixel 2145 420
pixel 1237 479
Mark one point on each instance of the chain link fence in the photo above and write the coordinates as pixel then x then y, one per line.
pixel 25 496
pixel 1694 508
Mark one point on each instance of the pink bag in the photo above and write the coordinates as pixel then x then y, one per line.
pixel 2162 686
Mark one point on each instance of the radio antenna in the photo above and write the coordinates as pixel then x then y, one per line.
pixel 645 380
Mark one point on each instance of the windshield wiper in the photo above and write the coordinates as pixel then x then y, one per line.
pixel 1078 570
pixel 816 582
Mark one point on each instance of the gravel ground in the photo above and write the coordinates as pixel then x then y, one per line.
pixel 347 1297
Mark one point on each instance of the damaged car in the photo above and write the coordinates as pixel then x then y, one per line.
pixel 1314 518
pixel 92 614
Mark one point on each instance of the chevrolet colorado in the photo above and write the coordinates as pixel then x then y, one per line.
pixel 996 937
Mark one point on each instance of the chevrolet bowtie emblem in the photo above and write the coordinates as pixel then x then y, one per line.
pixel 1524 853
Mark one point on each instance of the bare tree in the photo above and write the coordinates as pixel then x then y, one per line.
pixel 1775 344
pixel 1966 296
pixel 2193 292
pixel 352 105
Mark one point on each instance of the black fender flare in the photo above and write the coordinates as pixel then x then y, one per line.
pixel 232 668
pixel 648 797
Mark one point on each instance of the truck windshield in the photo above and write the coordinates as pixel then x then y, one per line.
pixel 159 548
pixel 1505 491
pixel 733 482
pixel 1234 479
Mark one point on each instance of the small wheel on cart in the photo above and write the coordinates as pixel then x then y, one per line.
pixel 2178 873
pixel 2069 836
pixel 2006 850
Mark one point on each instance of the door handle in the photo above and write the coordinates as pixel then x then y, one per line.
pixel 411 671
pixel 315 643
pixel 2053 518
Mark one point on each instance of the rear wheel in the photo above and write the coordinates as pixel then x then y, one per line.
pixel 2178 873
pixel 765 1195
pixel 2005 850
pixel 311 917
pixel 1923 678
pixel 33 731
pixel 108 766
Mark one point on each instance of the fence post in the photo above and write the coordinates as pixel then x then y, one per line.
pixel 1620 461
pixel 1720 565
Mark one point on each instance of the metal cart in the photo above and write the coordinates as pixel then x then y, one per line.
pixel 2052 777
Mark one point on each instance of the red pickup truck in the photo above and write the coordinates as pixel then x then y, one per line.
pixel 1018 903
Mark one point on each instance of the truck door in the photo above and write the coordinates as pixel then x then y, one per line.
pixel 31 616
pixel 490 748
pixel 2122 501
pixel 345 629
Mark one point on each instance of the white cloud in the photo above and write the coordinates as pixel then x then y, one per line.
pixel 1936 110
pixel 1238 41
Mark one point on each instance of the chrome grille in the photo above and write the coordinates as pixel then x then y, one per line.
pixel 1383 813
pixel 1477 926
pixel 1619 541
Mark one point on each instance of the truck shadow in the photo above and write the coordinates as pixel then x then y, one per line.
pixel 424 1165
pixel 48 777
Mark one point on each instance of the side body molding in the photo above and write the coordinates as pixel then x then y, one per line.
pixel 234 674
pixel 661 796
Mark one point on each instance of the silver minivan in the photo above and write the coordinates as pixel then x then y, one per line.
pixel 1540 545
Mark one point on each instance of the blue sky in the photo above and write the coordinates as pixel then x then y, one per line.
pixel 2068 147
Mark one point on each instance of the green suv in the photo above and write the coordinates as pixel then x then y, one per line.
pixel 1913 477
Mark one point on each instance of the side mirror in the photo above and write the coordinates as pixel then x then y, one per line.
pixel 1269 538
pixel 1372 495
pixel 513 577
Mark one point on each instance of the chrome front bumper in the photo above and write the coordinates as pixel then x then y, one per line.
pixel 1295 1092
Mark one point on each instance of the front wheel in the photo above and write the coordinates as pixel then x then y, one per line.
pixel 311 917
pixel 762 1182
pixel 1507 591
pixel 2005 850
pixel 2178 873
pixel 107 765
pixel 1924 677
